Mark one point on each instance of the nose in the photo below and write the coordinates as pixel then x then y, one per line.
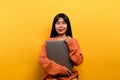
pixel 60 25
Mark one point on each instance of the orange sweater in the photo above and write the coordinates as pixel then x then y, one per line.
pixel 52 68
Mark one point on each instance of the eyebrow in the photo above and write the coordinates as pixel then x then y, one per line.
pixel 61 21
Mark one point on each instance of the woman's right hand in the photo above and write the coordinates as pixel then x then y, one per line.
pixel 65 71
pixel 68 72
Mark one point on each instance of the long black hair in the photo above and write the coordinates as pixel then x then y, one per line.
pixel 66 19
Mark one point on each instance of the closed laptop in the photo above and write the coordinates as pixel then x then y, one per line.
pixel 58 51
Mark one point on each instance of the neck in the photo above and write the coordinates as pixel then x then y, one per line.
pixel 61 37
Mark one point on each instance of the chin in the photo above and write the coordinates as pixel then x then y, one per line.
pixel 61 33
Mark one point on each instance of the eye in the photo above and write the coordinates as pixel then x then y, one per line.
pixel 57 22
pixel 63 22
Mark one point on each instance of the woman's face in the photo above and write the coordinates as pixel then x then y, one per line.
pixel 61 26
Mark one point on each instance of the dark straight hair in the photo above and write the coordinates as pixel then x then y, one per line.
pixel 66 19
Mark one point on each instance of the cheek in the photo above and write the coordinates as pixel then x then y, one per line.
pixel 56 28
pixel 66 27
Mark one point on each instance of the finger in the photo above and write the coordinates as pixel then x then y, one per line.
pixel 69 71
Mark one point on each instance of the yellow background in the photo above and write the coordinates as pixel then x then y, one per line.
pixel 25 24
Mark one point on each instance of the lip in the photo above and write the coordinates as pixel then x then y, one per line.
pixel 60 30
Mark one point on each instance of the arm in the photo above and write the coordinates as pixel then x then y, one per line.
pixel 75 52
pixel 48 65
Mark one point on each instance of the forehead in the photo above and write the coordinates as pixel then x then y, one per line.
pixel 60 20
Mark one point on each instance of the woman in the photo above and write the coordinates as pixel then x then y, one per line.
pixel 61 30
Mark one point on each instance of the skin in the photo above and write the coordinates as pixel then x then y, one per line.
pixel 61 28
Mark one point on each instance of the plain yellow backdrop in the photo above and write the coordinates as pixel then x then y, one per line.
pixel 25 24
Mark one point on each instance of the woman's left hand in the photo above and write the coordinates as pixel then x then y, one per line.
pixel 68 39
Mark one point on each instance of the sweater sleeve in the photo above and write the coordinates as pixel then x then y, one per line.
pixel 48 65
pixel 75 52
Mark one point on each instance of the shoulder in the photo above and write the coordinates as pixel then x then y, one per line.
pixel 75 41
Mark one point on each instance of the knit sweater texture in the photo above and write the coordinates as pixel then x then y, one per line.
pixel 52 68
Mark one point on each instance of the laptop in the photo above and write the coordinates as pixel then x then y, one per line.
pixel 58 51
